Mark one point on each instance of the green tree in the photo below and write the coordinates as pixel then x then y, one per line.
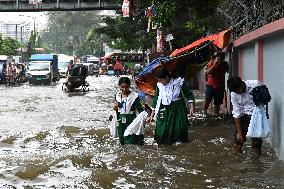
pixel 30 46
pixel 9 46
pixel 33 39
pixel 66 32
pixel 186 20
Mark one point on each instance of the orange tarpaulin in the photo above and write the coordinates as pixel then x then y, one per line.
pixel 221 40
pixel 147 82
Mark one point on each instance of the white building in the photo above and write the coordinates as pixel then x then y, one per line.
pixel 20 31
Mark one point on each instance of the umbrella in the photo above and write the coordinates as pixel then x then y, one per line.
pixel 184 62
pixel 145 81
pixel 152 66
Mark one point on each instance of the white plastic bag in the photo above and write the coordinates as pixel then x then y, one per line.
pixel 113 125
pixel 137 125
pixel 259 125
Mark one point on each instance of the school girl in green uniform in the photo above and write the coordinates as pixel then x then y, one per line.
pixel 171 108
pixel 127 106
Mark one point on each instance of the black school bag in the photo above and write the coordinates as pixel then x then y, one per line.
pixel 260 96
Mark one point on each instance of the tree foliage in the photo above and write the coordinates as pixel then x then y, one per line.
pixel 66 32
pixel 9 46
pixel 186 20
pixel 80 33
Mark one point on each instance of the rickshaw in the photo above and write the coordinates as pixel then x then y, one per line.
pixel 20 75
pixel 96 69
pixel 76 78
pixel 103 69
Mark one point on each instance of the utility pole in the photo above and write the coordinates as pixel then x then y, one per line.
pixel 33 19
pixel 79 3
pixel 16 32
pixel 22 34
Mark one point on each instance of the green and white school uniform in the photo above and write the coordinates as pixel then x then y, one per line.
pixel 127 111
pixel 170 112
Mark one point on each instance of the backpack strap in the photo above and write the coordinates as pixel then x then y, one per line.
pixel 267 115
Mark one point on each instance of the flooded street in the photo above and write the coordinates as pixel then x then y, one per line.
pixel 54 139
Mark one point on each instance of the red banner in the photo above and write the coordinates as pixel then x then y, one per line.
pixel 160 40
pixel 125 8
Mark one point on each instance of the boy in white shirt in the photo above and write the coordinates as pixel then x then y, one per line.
pixel 243 106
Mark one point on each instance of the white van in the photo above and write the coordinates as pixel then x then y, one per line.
pixel 39 72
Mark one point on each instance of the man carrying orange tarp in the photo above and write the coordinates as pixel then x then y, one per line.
pixel 215 82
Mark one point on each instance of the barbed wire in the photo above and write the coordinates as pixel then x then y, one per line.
pixel 208 42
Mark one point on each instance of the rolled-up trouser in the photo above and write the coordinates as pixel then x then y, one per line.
pixel 216 94
pixel 256 142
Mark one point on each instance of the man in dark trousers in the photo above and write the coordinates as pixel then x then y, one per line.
pixel 243 106
pixel 215 83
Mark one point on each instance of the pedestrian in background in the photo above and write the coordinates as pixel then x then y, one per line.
pixel 171 97
pixel 215 82
pixel 10 73
pixel 243 106
pixel 70 67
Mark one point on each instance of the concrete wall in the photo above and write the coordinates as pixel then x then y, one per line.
pixel 249 63
pixel 263 58
pixel 273 75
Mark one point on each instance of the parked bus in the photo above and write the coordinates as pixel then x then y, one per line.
pixel 128 60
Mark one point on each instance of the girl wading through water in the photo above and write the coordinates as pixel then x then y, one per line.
pixel 170 102
pixel 126 105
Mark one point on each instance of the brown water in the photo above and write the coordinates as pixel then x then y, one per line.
pixel 54 139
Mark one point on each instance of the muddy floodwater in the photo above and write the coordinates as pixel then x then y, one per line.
pixel 55 139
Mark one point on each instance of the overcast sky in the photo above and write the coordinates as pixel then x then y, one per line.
pixel 40 17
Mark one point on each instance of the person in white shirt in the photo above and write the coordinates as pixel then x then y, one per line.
pixel 172 102
pixel 243 107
